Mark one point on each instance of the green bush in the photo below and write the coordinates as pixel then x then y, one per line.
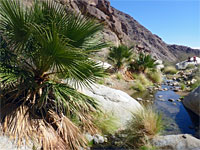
pixel 106 123
pixel 190 66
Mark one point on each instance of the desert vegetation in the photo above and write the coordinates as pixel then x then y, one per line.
pixel 170 70
pixel 120 56
pixel 144 125
pixel 142 63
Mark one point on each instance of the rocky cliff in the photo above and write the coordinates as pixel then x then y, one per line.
pixel 122 28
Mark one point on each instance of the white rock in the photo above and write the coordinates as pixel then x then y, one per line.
pixel 177 142
pixel 117 102
pixel 7 144
pixel 193 81
pixel 104 65
pixel 160 64
pixel 89 137
pixel 98 139
pixel 139 99
pixel 184 64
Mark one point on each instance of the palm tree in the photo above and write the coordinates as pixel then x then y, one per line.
pixel 43 43
pixel 120 56
pixel 143 62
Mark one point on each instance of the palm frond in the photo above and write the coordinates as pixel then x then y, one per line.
pixel 14 20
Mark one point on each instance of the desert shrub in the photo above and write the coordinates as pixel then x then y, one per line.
pixel 144 80
pixel 139 86
pixel 119 76
pixel 144 125
pixel 170 70
pixel 106 123
pixel 182 86
pixel 196 75
pixel 195 85
pixel 141 82
pixel 155 76
pixel 148 146
pixel 101 81
pixel 190 66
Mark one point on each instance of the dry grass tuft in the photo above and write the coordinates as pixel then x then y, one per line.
pixel 51 131
pixel 170 70
pixel 155 76
pixel 145 124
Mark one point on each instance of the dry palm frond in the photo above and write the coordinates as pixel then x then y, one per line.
pixel 52 132
pixel 87 123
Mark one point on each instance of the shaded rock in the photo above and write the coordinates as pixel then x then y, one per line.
pixel 171 100
pixel 192 101
pixel 176 142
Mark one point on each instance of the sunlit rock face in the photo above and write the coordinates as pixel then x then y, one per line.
pixel 176 142
pixel 113 101
pixel 186 63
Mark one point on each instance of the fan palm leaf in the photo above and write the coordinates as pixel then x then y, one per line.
pixel 42 43
pixel 120 56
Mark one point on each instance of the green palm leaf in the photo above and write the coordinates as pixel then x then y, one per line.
pixel 43 43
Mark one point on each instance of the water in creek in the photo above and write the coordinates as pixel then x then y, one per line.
pixel 177 120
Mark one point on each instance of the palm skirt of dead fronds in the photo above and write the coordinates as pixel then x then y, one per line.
pixel 52 132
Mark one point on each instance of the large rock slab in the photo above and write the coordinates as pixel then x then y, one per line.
pixel 177 142
pixel 117 102
pixel 192 101
pixel 184 64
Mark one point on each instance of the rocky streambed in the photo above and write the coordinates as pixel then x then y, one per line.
pixel 177 118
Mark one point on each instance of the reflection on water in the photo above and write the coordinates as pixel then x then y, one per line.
pixel 176 118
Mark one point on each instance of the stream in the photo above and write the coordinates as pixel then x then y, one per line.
pixel 177 119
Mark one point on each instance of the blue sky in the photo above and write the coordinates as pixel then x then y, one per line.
pixel 175 21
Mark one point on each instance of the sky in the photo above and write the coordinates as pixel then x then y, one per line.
pixel 175 21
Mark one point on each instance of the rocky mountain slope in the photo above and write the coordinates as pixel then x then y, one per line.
pixel 122 28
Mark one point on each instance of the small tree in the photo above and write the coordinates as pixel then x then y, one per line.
pixel 120 56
